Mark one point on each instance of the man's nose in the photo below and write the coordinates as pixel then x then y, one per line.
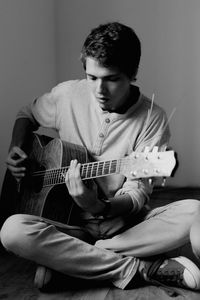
pixel 100 87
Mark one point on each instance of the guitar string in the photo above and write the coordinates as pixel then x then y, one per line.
pixel 59 178
pixel 88 170
pixel 93 166
pixel 84 166
pixel 56 177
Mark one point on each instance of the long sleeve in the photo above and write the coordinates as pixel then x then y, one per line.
pixel 155 133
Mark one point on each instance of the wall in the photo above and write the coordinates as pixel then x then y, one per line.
pixel 170 65
pixel 36 50
pixel 27 59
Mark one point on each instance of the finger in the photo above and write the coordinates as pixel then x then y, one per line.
pixel 18 180
pixel 16 156
pixel 78 172
pixel 72 172
pixel 18 176
pixel 73 164
pixel 16 170
pixel 15 163
pixel 66 176
pixel 73 179
pixel 72 176
pixel 75 173
pixel 68 180
pixel 18 153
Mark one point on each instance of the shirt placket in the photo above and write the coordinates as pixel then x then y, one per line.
pixel 97 149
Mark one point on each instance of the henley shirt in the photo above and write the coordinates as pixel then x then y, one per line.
pixel 71 109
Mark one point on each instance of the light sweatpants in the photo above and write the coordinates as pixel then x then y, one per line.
pixel 116 259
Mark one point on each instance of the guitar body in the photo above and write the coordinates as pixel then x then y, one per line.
pixel 43 191
pixel 52 202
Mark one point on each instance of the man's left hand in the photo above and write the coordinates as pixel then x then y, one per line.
pixel 83 196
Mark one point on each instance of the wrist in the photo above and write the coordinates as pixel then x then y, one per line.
pixel 105 208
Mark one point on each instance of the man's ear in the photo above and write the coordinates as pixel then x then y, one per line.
pixel 134 76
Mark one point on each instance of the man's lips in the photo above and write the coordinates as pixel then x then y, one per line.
pixel 102 99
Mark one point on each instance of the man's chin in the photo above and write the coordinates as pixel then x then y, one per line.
pixel 104 105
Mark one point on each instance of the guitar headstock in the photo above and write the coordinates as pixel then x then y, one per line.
pixel 150 164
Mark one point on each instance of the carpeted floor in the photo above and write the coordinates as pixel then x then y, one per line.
pixel 16 274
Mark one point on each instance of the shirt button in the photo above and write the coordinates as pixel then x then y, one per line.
pixel 101 135
pixel 107 120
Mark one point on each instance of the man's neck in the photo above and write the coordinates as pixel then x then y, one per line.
pixel 130 101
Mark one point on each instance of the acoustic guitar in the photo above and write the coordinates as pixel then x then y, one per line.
pixel 43 191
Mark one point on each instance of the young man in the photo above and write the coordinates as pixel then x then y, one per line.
pixel 108 115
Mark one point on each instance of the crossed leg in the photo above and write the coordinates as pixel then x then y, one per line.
pixel 116 259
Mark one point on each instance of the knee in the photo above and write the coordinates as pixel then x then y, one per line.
pixel 13 234
pixel 195 237
pixel 192 207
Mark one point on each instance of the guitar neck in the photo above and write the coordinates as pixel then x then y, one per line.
pixel 88 171
pixel 137 165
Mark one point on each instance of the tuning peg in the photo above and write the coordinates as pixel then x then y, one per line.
pixel 150 181
pixel 164 148
pixel 145 171
pixel 146 151
pixel 156 171
pixel 133 173
pixel 163 182
pixel 155 149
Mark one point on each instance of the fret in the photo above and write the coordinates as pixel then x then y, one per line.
pixel 110 167
pixel 61 177
pixel 113 168
pixel 50 178
pixel 106 168
pixel 54 177
pixel 91 166
pixel 103 169
pixel 45 178
pixel 99 171
pixel 88 170
pixel 63 174
pixel 84 169
pixel 94 169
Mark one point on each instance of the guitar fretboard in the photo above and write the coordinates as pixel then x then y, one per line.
pixel 88 171
pixel 136 165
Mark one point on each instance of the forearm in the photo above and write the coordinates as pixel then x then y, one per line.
pixel 21 131
pixel 119 205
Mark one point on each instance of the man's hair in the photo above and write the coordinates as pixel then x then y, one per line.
pixel 113 45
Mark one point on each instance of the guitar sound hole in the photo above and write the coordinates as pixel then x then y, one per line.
pixel 37 183
pixel 35 176
pixel 60 207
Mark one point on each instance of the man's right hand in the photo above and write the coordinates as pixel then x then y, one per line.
pixel 16 162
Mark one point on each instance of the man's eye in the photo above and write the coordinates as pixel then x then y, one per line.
pixel 113 79
pixel 91 78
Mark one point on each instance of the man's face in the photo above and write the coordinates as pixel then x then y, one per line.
pixel 109 86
